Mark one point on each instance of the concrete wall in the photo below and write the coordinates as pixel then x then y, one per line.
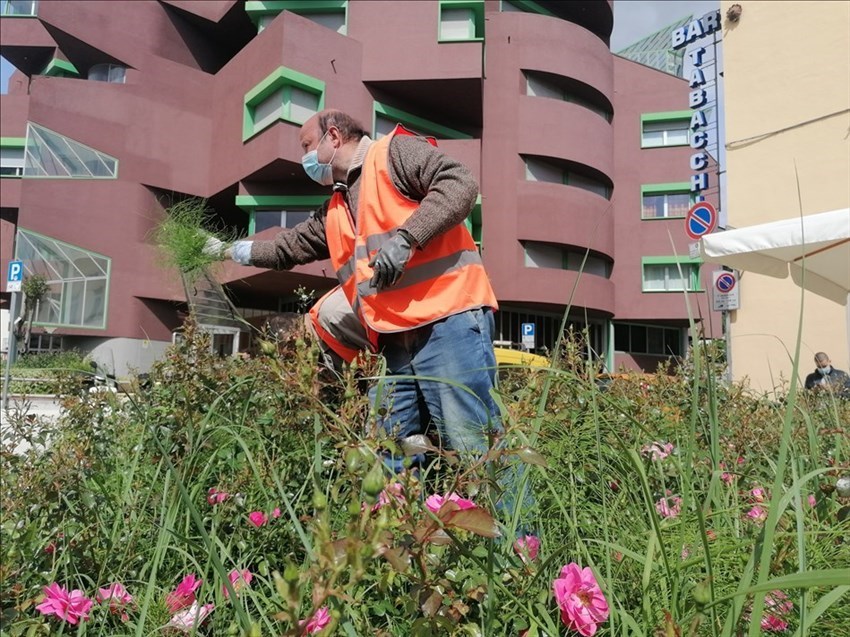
pixel 787 100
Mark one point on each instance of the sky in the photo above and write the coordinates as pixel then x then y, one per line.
pixel 633 19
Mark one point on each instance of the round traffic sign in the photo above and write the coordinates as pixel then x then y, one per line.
pixel 725 282
pixel 700 220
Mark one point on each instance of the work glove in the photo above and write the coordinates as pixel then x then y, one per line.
pixel 215 248
pixel 390 260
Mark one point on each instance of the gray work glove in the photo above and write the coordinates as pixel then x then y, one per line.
pixel 390 260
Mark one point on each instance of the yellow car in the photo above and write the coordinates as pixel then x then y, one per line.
pixel 511 356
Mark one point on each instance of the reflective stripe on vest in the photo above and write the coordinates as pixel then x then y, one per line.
pixel 444 278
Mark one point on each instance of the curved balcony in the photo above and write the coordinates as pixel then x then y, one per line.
pixel 597 17
pixel 583 136
pixel 542 43
pixel 585 219
pixel 554 287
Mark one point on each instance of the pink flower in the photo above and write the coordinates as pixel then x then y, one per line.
pixel 70 607
pixel 527 548
pixel 184 595
pixel 657 450
pixel 435 502
pixel 580 599
pixel 238 581
pixel 214 496
pixel 669 507
pixel 778 602
pixel 185 621
pixel 392 493
pixel 686 553
pixel 773 624
pixel 757 514
pixel 758 494
pixel 317 622
pixel 276 513
pixel 257 518
pixel 118 598
pixel 812 501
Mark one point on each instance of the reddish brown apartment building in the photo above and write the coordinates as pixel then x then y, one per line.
pixel 119 107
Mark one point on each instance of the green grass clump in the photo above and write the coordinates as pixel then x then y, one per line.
pixel 183 233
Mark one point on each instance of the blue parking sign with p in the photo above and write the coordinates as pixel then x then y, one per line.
pixel 15 277
pixel 527 332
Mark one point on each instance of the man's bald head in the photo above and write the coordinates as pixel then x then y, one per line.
pixel 821 359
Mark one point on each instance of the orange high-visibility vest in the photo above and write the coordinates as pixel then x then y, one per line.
pixel 444 278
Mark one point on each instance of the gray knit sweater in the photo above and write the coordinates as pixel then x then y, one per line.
pixel 445 189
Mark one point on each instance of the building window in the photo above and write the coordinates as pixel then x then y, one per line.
pixel 541 170
pixel 549 255
pixel 590 336
pixel 112 73
pixel 284 95
pixel 265 219
pixel 526 6
pixel 77 279
pixel 19 8
pixel 49 154
pixel 44 344
pixel 665 129
pixel 461 20
pixel 332 14
pixel 12 156
pixel 665 201
pixel 648 339
pixel 276 211
pixel 386 118
pixel 670 274
pixel 539 84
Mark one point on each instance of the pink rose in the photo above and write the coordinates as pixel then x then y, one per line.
pixel 257 518
pixel 184 595
pixel 527 548
pixel 185 621
pixel 435 502
pixel 276 513
pixel 758 494
pixel 583 606
pixel 70 607
pixel 317 622
pixel 238 580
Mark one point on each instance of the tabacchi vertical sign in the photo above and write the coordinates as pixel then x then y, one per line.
pixel 698 97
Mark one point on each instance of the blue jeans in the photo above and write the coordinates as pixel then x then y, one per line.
pixel 457 349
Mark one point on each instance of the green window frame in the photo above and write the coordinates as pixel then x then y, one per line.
pixel 253 204
pixel 282 80
pixel 689 270
pixel 60 68
pixel 19 8
pixel 72 280
pixel 418 125
pixel 12 157
pixel 657 190
pixel 259 9
pixel 526 6
pixel 655 122
pixel 475 8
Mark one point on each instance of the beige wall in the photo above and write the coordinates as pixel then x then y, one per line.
pixel 786 64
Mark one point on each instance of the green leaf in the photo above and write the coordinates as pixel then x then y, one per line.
pixel 531 456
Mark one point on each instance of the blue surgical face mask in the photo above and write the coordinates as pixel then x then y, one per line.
pixel 318 172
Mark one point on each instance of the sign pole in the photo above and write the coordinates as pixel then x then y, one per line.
pixel 727 325
pixel 12 351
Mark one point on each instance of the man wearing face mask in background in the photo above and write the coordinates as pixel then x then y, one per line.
pixel 410 270
pixel 826 376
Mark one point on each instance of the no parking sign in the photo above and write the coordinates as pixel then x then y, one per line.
pixel 725 291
